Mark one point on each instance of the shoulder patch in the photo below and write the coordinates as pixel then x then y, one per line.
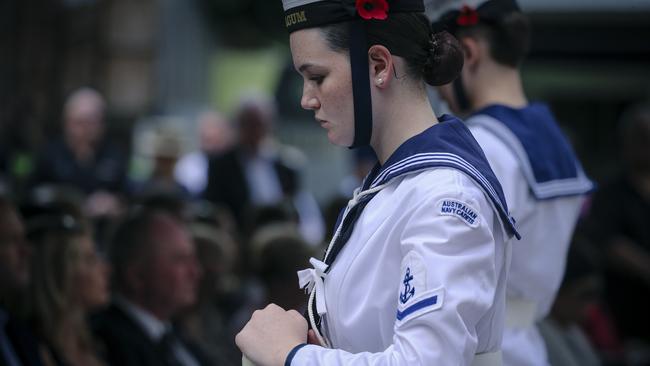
pixel 462 210
pixel 414 298
pixel 413 278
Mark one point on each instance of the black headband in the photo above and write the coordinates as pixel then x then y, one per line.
pixel 489 12
pixel 53 222
pixel 320 13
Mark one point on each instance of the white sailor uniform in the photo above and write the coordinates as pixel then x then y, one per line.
pixel 421 278
pixel 544 185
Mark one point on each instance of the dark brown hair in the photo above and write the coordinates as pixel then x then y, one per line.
pixel 435 58
pixel 508 39
pixel 131 242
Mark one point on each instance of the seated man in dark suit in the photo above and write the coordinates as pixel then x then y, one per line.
pixel 155 273
pixel 18 346
pixel 254 172
pixel 258 171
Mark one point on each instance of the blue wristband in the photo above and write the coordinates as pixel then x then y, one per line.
pixel 291 354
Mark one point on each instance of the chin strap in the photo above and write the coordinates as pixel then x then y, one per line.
pixel 360 84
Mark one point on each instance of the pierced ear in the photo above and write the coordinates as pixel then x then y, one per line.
pixel 381 65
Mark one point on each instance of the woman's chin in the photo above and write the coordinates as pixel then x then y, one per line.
pixel 338 140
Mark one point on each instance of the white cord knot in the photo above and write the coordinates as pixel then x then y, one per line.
pixel 311 279
pixel 355 197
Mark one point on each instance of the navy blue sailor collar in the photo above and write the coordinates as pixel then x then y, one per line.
pixel 548 162
pixel 446 144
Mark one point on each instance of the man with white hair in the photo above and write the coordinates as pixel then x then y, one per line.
pixel 155 277
pixel 81 157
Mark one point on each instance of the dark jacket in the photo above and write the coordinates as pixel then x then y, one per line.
pixel 227 184
pixel 56 164
pixel 24 343
pixel 126 343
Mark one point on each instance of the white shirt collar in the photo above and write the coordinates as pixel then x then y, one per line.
pixel 151 325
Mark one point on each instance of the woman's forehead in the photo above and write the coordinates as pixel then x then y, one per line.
pixel 311 38
pixel 309 46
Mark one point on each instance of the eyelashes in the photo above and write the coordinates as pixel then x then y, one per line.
pixel 317 79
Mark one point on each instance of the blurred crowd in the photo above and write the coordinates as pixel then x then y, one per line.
pixel 98 268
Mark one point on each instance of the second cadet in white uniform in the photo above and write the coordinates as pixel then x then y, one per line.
pixel 542 179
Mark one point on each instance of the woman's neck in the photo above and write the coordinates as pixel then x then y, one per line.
pixel 498 84
pixel 402 116
pixel 72 340
pixel 67 331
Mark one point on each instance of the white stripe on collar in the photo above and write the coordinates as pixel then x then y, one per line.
pixel 406 165
pixel 545 190
pixel 423 161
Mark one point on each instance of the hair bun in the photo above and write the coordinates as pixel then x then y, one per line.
pixel 445 59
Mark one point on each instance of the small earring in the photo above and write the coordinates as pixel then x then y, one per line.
pixel 380 81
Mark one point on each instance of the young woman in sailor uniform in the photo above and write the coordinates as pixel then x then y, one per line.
pixel 542 179
pixel 416 271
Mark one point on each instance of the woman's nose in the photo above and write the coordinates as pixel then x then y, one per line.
pixel 309 102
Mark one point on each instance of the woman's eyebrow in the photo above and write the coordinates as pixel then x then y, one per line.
pixel 304 67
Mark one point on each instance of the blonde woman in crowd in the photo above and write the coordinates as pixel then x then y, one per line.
pixel 69 280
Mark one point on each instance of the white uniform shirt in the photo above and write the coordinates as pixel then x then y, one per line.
pixel 539 259
pixel 421 280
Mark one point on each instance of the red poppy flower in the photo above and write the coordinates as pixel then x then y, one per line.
pixel 372 9
pixel 467 16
